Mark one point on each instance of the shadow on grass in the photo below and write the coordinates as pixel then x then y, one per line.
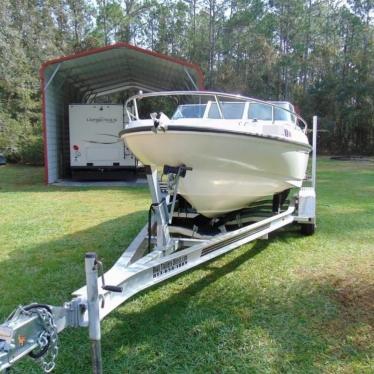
pixel 298 327
pixel 218 318
pixel 283 328
pixel 50 271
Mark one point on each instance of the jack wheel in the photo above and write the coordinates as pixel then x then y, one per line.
pixel 308 228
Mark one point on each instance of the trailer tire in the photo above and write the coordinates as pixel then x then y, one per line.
pixel 308 229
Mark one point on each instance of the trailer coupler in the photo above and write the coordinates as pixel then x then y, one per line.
pixel 29 330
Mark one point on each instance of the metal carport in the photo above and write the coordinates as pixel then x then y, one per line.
pixel 81 77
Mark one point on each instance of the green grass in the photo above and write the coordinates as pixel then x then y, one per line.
pixel 291 304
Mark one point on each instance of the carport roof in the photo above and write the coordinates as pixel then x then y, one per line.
pixel 119 66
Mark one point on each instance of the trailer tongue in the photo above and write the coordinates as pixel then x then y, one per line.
pixel 160 251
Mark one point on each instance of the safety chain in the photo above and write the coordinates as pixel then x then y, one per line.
pixel 48 340
pixel 47 350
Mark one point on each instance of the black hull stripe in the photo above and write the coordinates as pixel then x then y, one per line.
pixel 215 131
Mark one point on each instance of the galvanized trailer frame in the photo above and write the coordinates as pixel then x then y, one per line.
pixel 33 329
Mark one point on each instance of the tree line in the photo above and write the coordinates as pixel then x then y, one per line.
pixel 317 54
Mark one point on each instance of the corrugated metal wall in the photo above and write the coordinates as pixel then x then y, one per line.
pixel 54 112
pixel 59 93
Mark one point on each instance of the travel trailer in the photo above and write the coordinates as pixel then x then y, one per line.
pixel 96 150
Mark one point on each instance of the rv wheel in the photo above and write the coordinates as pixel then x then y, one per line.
pixel 308 228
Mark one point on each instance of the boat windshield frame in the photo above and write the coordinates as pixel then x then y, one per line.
pixel 133 115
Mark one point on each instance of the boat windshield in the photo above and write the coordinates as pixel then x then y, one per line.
pixel 283 115
pixel 229 110
pixel 260 112
pixel 264 112
pixel 189 111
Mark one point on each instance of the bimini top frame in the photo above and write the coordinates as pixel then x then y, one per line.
pixel 131 104
pixel 159 252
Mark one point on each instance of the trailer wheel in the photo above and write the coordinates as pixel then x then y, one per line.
pixel 308 228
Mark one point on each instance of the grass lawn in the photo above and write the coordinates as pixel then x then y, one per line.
pixel 291 304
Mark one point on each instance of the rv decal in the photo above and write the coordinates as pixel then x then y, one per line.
pixel 96 142
pixel 101 142
pixel 102 119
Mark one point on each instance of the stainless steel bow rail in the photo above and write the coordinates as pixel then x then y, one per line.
pixel 171 243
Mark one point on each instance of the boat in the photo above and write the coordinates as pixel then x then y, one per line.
pixel 239 150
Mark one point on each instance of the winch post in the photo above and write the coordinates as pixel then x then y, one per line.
pixel 94 330
pixel 159 205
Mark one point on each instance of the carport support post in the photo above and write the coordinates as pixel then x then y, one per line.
pixel 94 330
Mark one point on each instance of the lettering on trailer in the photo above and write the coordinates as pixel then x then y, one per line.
pixel 169 266
pixel 101 119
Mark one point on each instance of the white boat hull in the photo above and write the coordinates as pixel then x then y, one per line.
pixel 229 171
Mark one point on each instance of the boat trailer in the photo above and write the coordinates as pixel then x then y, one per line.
pixel 173 241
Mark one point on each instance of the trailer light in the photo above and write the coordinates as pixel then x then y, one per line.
pixel 76 147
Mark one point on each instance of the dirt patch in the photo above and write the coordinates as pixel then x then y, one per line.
pixel 350 286
pixel 352 330
pixel 356 298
